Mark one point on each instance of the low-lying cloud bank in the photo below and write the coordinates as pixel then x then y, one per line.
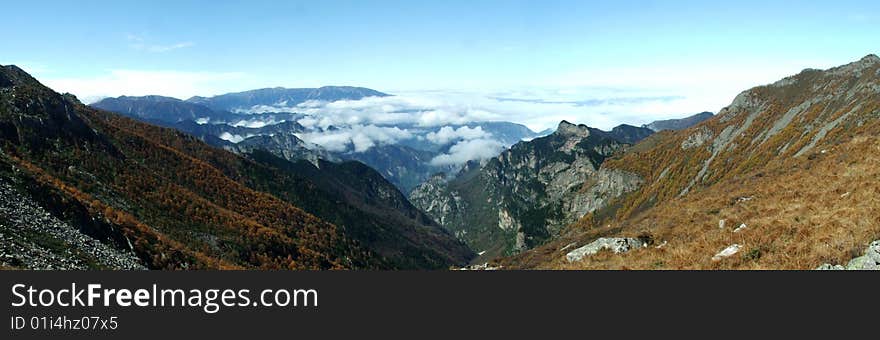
pixel 537 109
pixel 440 117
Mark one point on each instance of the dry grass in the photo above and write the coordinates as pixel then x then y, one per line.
pixel 805 212
pixel 821 207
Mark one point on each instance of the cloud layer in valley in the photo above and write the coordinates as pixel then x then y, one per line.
pixel 537 109
pixel 441 117
pixel 358 138
pixel 601 98
pixel 449 134
pixel 467 150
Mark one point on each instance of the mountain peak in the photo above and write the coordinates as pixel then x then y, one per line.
pixel 871 58
pixel 568 129
pixel 856 67
pixel 11 75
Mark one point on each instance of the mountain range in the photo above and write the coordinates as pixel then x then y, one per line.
pixel 782 178
pixel 265 99
pixel 536 203
pixel 170 201
pixel 406 163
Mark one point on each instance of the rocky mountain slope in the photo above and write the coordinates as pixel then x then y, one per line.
pixel 32 238
pixel 524 196
pixel 283 145
pixel 178 203
pixel 784 178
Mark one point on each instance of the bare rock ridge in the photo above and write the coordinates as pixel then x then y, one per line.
pixel 567 129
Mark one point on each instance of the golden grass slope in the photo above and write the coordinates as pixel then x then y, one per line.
pixel 804 153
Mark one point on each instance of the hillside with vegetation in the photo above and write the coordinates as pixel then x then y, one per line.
pixel 783 178
pixel 174 202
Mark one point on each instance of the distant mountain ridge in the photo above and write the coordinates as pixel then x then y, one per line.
pixel 279 96
pixel 162 109
pixel 679 124
pixel 405 164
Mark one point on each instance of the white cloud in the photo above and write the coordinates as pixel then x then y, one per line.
pixel 257 123
pixel 461 152
pixel 357 138
pixel 166 48
pixel 231 138
pixel 536 108
pixel 448 134
pixel 139 83
pixel 140 43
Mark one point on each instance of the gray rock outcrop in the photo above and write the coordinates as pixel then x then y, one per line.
pixel 727 252
pixel 616 245
pixel 869 261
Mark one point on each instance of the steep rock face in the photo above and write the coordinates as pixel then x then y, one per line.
pixel 435 198
pixel 524 196
pixel 609 184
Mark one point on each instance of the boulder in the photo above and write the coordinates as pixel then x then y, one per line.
pixel 727 252
pixel 828 266
pixel 615 244
pixel 869 261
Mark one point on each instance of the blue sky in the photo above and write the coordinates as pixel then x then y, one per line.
pixel 702 51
